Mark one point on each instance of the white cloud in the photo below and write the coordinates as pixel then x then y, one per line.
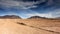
pixel 21 4
pixel 51 14
pixel 9 13
pixel 56 13
pixel 28 5
pixel 48 15
pixel 24 5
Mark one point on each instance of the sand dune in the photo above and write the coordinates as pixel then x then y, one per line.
pixel 29 26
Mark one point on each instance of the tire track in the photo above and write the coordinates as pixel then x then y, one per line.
pixel 38 28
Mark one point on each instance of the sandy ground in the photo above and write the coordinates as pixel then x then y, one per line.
pixel 29 26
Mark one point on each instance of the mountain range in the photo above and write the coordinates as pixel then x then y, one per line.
pixel 32 17
pixel 10 16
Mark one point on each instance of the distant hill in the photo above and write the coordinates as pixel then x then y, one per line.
pixel 36 17
pixel 10 16
pixel 58 18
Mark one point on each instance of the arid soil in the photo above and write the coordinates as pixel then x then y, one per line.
pixel 29 26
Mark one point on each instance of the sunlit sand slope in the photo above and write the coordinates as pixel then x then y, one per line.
pixel 28 26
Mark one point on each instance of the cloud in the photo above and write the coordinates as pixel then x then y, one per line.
pixel 9 13
pixel 51 14
pixel 49 8
pixel 20 3
pixel 28 4
pixel 56 13
pixel 48 15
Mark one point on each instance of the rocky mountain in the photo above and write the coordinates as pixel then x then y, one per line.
pixel 10 16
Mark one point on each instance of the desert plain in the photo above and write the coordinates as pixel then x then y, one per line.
pixel 29 26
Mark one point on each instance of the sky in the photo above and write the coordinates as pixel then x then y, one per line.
pixel 28 8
